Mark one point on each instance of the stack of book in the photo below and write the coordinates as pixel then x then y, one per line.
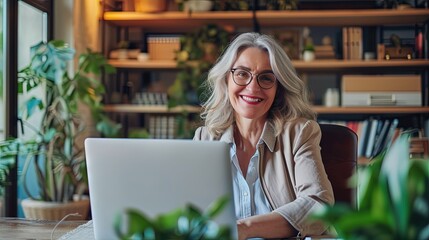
pixel 352 43
pixel 324 52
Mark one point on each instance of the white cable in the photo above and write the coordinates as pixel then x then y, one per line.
pixel 64 218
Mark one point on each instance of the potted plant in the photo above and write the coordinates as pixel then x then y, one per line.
pixel 5 167
pixel 184 223
pixel 198 52
pixel 195 5
pixel 308 53
pixel 55 153
pixel 393 199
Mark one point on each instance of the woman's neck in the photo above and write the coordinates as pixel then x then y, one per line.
pixel 247 134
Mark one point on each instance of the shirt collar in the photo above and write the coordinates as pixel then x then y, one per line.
pixel 267 136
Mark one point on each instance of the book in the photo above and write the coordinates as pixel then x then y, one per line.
pixel 346 43
pixel 371 137
pixel 392 134
pixel 381 138
pixel 358 49
pixel 363 138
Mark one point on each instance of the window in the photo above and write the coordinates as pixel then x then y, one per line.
pixel 18 41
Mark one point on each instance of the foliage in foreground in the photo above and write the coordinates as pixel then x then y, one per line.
pixel 183 223
pixel 393 199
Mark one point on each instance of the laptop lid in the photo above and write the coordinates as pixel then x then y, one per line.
pixel 156 177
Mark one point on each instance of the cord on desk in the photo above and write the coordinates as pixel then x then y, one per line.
pixel 62 220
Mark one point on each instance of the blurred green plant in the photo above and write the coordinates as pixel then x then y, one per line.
pixel 6 166
pixel 282 4
pixel 183 223
pixel 199 50
pixel 393 199
pixel 55 152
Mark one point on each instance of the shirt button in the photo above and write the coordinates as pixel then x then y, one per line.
pixel 245 194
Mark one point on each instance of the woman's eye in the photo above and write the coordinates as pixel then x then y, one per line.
pixel 266 78
pixel 242 74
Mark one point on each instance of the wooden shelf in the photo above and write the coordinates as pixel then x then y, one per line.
pixel 178 20
pixel 343 65
pixel 183 20
pixel 134 108
pixel 371 110
pixel 317 65
pixel 365 17
pixel 129 63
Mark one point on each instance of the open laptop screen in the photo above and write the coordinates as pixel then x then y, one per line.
pixel 155 176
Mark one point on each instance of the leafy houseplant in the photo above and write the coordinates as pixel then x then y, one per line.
pixel 5 168
pixel 282 4
pixel 198 52
pixel 393 199
pixel 186 223
pixel 55 152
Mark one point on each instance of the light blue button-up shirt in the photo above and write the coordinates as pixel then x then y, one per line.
pixel 249 198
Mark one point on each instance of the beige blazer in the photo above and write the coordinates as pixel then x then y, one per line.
pixel 291 171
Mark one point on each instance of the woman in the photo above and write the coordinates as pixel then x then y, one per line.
pixel 258 105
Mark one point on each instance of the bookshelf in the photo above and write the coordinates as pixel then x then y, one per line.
pixel 151 21
pixel 235 21
pixel 313 66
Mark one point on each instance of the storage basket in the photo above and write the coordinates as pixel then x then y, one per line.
pixel 163 47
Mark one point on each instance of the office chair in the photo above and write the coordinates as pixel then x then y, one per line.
pixel 339 156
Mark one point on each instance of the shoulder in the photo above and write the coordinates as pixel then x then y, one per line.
pixel 301 128
pixel 301 124
pixel 202 133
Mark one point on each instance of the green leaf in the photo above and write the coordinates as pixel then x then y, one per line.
pixel 32 104
pixel 50 60
pixel 216 207
pixel 395 172
pixel 168 220
pixel 137 223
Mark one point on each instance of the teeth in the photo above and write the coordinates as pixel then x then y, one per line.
pixel 249 99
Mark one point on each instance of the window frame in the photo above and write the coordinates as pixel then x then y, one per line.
pixel 11 86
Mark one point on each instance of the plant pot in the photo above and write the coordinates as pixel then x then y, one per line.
pixel 35 209
pixel 198 5
pixel 308 56
pixel 150 6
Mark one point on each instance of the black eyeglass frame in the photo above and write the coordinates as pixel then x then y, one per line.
pixel 251 77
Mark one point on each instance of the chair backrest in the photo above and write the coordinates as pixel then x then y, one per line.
pixel 339 156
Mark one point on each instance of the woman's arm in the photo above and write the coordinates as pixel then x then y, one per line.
pixel 270 225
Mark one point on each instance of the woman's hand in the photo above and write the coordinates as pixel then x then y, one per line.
pixel 271 225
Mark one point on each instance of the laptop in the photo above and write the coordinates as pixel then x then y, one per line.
pixel 156 177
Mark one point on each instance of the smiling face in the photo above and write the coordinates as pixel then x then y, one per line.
pixel 251 101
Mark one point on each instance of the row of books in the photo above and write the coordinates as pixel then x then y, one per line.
pixel 374 135
pixel 352 43
pixel 162 126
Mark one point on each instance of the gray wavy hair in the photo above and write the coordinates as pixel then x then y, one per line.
pixel 291 99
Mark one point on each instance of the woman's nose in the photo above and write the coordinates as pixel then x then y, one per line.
pixel 253 85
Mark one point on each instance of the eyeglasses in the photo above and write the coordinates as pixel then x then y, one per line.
pixel 243 77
